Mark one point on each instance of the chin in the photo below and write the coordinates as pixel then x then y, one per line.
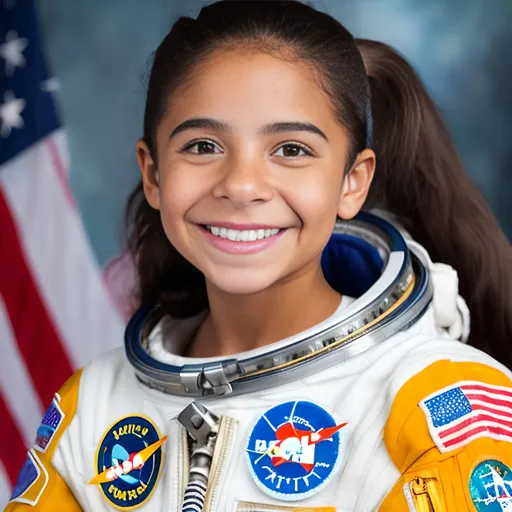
pixel 242 283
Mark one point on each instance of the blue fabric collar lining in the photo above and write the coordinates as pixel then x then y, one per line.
pixel 351 265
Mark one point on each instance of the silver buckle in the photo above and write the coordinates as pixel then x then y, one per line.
pixel 211 379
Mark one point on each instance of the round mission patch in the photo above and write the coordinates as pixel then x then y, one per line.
pixel 128 462
pixel 294 449
pixel 490 486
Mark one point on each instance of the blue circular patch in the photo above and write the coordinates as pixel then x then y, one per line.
pixel 294 449
pixel 490 486
pixel 129 458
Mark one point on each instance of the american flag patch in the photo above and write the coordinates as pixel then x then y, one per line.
pixel 468 410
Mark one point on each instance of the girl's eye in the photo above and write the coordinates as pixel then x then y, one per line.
pixel 293 150
pixel 202 147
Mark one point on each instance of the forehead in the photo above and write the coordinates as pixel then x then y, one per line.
pixel 251 88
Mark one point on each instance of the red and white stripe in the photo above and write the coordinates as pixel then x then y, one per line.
pixel 490 416
pixel 55 311
pixel 5 492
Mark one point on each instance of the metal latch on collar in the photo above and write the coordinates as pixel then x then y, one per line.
pixel 211 379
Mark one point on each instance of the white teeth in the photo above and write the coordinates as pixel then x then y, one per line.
pixel 231 234
pixel 242 236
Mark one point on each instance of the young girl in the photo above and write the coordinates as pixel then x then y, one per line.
pixel 286 357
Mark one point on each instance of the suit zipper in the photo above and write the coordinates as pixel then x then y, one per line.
pixel 183 464
pixel 219 469
pixel 425 495
pixel 202 427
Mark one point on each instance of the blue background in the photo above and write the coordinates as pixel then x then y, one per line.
pixel 100 51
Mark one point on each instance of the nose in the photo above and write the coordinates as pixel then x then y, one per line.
pixel 244 182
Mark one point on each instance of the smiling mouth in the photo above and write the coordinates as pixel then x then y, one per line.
pixel 246 235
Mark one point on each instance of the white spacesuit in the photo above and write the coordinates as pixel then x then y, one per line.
pixel 380 407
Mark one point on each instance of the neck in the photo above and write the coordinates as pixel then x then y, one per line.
pixel 238 323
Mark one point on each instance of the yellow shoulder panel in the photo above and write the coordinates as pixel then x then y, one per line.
pixel 475 470
pixel 406 433
pixel 39 486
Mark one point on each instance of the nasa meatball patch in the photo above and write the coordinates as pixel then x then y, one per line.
pixel 128 462
pixel 294 449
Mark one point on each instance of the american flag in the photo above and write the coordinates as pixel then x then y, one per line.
pixel 55 310
pixel 468 410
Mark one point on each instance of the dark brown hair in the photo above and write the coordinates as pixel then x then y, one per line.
pixel 419 177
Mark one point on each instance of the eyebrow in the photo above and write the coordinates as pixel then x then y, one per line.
pixel 268 129
pixel 200 122
pixel 293 126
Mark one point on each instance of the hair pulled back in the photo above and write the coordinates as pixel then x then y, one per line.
pixel 419 177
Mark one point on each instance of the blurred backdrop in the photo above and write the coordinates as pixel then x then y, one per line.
pixel 99 51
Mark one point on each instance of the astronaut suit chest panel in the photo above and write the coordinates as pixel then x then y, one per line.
pixel 348 470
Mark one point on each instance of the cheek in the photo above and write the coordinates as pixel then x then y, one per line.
pixel 315 199
pixel 181 187
pixel 179 191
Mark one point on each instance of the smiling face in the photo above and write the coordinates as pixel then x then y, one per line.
pixel 250 171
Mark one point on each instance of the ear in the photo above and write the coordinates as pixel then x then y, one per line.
pixel 357 184
pixel 149 174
